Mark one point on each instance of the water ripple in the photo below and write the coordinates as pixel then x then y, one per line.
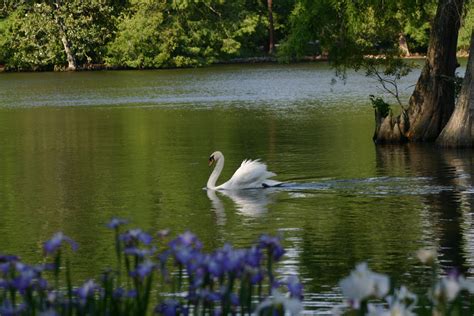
pixel 370 186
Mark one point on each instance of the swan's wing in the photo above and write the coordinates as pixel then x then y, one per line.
pixel 251 173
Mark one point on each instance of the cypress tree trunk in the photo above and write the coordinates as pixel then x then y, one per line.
pixel 432 101
pixel 389 129
pixel 458 131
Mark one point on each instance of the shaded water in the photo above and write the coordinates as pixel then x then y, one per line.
pixel 79 148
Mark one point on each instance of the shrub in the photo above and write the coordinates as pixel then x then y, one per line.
pixel 380 105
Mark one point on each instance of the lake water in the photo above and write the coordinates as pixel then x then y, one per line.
pixel 79 148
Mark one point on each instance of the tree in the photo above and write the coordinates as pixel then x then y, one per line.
pixel 27 40
pixel 458 130
pixel 150 47
pixel 44 34
pixel 183 33
pixel 432 101
pixel 352 33
pixel 348 32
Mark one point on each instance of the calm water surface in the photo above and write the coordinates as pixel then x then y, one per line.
pixel 79 148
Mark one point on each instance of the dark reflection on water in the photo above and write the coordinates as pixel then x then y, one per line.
pixel 449 209
pixel 144 157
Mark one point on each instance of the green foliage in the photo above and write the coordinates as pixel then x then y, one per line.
pixel 5 50
pixel 184 33
pixel 466 28
pixel 34 33
pixel 349 31
pixel 380 105
pixel 165 40
pixel 140 49
pixel 308 21
pixel 29 39
pixel 191 33
pixel 89 26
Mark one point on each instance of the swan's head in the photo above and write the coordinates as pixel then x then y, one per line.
pixel 214 157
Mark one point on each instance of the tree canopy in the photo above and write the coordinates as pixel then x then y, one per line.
pixel 48 34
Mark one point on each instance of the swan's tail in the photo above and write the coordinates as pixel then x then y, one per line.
pixel 271 183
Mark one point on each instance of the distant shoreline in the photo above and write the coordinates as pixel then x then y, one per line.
pixel 243 60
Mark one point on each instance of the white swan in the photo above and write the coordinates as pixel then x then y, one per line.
pixel 252 174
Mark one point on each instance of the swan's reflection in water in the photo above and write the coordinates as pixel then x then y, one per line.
pixel 250 202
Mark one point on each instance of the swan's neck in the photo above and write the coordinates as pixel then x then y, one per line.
pixel 211 183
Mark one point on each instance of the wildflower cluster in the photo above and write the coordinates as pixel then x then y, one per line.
pixel 369 293
pixel 154 274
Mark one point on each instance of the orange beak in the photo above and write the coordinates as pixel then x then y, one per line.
pixel 211 161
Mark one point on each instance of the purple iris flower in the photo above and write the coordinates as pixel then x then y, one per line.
pixel 171 308
pixel 50 312
pixel 232 260
pixel 8 309
pixel 276 284
pixel 198 277
pixel 143 270
pixel 186 250
pixel 196 262
pixel 3 284
pixel 43 267
pixel 256 277
pixel 139 252
pixel 87 289
pixel 234 299
pixel 118 293
pixel 5 267
pixel 116 223
pixel 253 257
pixel 52 245
pixel 53 296
pixel 133 236
pixel 163 257
pixel 132 293
pixel 20 267
pixel 186 239
pixel 210 296
pixel 235 260
pixel 215 267
pixel 454 273
pixel 184 255
pixel 8 258
pixel 28 277
pixel 42 284
pixel 23 281
pixel 295 287
pixel 273 245
pixel 226 260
